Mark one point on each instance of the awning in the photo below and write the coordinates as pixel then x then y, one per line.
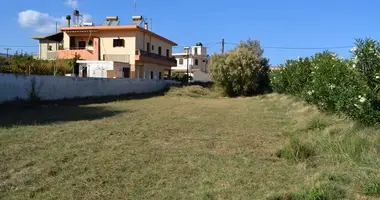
pixel 58 37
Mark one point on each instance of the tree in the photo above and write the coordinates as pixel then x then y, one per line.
pixel 242 71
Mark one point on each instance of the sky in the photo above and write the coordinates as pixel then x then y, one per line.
pixel 299 27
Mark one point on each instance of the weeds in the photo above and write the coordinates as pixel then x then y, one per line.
pixel 297 151
pixel 194 92
pixel 373 189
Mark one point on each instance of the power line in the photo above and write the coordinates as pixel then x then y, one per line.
pixel 17 46
pixel 298 48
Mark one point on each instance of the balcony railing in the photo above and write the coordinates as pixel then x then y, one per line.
pixel 155 56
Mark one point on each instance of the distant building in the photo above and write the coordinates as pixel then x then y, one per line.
pixel 274 67
pixel 48 46
pixel 196 59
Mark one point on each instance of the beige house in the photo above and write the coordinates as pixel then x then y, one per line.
pixel 148 54
pixel 48 46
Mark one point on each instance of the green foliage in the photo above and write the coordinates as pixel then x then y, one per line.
pixel 182 77
pixel 242 71
pixel 336 84
pixel 26 64
pixel 373 189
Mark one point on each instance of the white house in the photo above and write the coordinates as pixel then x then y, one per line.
pixel 103 69
pixel 196 58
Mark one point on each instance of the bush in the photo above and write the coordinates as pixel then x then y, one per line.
pixel 336 84
pixel 242 71
pixel 26 64
pixel 182 77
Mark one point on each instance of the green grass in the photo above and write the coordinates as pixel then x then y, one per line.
pixel 186 145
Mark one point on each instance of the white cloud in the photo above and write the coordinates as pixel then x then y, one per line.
pixel 74 4
pixel 40 22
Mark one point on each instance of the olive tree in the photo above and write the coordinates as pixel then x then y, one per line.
pixel 241 71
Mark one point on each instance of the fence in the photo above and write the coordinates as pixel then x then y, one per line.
pixel 13 86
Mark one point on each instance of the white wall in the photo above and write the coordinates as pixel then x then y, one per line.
pixel 59 87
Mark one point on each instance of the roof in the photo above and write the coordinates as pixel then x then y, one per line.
pixel 114 28
pixel 58 37
pixel 274 67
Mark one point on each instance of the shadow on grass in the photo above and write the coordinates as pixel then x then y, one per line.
pixel 50 112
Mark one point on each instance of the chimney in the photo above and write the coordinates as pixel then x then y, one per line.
pixel 146 26
pixel 68 18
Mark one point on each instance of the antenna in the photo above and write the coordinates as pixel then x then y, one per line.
pixel 134 6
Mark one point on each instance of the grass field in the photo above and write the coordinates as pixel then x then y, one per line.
pixel 188 144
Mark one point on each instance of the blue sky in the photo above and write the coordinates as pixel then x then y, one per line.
pixel 275 23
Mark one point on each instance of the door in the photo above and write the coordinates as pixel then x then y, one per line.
pixel 72 42
pixel 81 44
pixel 126 72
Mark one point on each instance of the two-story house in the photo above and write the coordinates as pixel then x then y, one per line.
pixel 148 54
pixel 196 60
pixel 195 57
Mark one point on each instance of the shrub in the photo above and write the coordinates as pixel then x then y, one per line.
pixel 26 64
pixel 182 77
pixel 242 71
pixel 336 84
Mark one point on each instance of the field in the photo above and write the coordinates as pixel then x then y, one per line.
pixel 188 144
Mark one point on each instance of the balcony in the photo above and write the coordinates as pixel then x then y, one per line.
pixel 85 54
pixel 144 56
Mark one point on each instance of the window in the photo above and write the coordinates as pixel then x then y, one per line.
pixel 151 74
pixel 81 44
pixel 50 48
pixel 160 75
pixel 159 50
pixel 152 47
pixel 196 62
pixel 167 53
pixel 195 51
pixel 148 47
pixel 118 43
pixel 90 43
pixel 181 61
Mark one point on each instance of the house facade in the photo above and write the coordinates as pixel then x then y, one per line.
pixel 147 54
pixel 48 46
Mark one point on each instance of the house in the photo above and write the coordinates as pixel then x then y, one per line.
pixel 196 56
pixel 48 46
pixel 147 54
pixel 195 59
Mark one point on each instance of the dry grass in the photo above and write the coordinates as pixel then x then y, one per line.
pixel 179 147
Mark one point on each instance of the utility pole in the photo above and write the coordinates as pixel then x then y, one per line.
pixel 7 49
pixel 187 63
pixel 222 46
